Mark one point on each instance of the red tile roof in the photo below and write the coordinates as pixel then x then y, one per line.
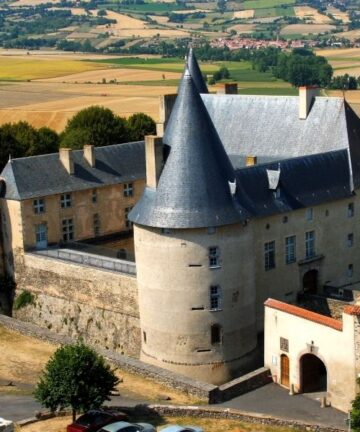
pixel 352 310
pixel 304 313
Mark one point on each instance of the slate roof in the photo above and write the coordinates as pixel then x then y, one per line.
pixel 269 126
pixel 37 176
pixel 195 72
pixel 304 182
pixel 193 189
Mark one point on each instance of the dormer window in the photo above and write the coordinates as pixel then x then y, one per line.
pixel 277 193
pixel 128 190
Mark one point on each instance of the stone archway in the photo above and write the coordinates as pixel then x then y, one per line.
pixel 313 374
pixel 310 282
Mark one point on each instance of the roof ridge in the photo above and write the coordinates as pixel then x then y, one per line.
pixel 193 67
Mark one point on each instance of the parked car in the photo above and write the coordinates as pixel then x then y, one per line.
pixel 93 420
pixel 128 427
pixel 178 428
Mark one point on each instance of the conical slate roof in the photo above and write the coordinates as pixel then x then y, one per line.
pixel 193 189
pixel 195 72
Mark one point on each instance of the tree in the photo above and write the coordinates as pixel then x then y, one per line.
pixel 139 125
pixel 77 377
pixel 98 125
pixel 355 412
pixel 47 142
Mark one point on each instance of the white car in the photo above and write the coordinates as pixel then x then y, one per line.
pixel 178 428
pixel 122 426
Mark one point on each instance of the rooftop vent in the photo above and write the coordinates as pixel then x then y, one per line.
pixel 89 155
pixel 154 159
pixel 273 178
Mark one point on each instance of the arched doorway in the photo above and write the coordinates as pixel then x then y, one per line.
pixel 285 370
pixel 310 282
pixel 313 374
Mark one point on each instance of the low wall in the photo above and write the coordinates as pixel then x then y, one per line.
pixel 244 384
pixel 76 300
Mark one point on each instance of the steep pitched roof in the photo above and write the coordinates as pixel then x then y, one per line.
pixel 269 126
pixel 193 189
pixel 303 182
pixel 38 176
pixel 195 72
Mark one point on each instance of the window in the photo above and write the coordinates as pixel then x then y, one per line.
pixel 277 193
pixel 351 210
pixel 165 231
pixel 350 270
pixel 211 230
pixel 290 249
pixel 214 256
pixel 128 223
pixel 94 196
pixel 215 334
pixel 39 205
pixel 128 190
pixel 68 229
pixel 215 297
pixel 269 249
pixel 350 240
pixel 310 244
pixel 144 336
pixel 96 224
pixel 65 200
pixel 309 214
pixel 41 233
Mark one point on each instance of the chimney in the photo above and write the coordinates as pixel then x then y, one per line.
pixel 89 155
pixel 306 97
pixel 229 88
pixel 167 103
pixel 154 159
pixel 66 158
pixel 251 160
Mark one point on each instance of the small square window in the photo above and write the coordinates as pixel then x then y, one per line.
pixel 128 190
pixel 350 240
pixel 309 214
pixel 215 297
pixel 350 271
pixel 214 256
pixel 165 231
pixel 96 224
pixel 39 205
pixel 94 196
pixel 351 210
pixel 216 334
pixel 65 200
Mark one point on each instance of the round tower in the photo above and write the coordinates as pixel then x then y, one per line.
pixel 195 278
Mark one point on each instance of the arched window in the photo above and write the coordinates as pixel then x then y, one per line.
pixel 216 334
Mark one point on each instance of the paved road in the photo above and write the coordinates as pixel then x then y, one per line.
pixel 270 399
pixel 275 400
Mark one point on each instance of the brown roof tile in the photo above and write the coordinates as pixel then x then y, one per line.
pixel 305 314
pixel 352 310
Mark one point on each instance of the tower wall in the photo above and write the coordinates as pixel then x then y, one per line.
pixel 174 281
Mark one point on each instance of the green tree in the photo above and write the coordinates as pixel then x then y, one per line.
pixel 139 125
pixel 77 377
pixel 99 125
pixel 355 412
pixel 47 142
pixel 25 135
pixel 9 146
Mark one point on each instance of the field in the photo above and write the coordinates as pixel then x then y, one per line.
pixel 250 13
pixel 263 4
pixel 311 14
pixel 243 28
pixel 343 61
pixel 306 29
pixel 338 14
pixel 351 35
pixel 275 12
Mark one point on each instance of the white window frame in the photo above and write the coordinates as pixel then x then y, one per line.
pixel 65 200
pixel 67 229
pixel 310 244
pixel 269 255
pixel 214 257
pixel 39 205
pixel 128 190
pixel 215 294
pixel 290 249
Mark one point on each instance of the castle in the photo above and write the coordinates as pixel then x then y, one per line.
pixel 244 198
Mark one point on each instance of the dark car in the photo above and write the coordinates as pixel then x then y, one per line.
pixel 93 420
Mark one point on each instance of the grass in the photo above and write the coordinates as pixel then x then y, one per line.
pixel 272 91
pixel 263 4
pixel 16 69
pixel 146 7
pixel 275 11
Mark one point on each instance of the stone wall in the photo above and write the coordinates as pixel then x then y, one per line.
pixel 97 305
